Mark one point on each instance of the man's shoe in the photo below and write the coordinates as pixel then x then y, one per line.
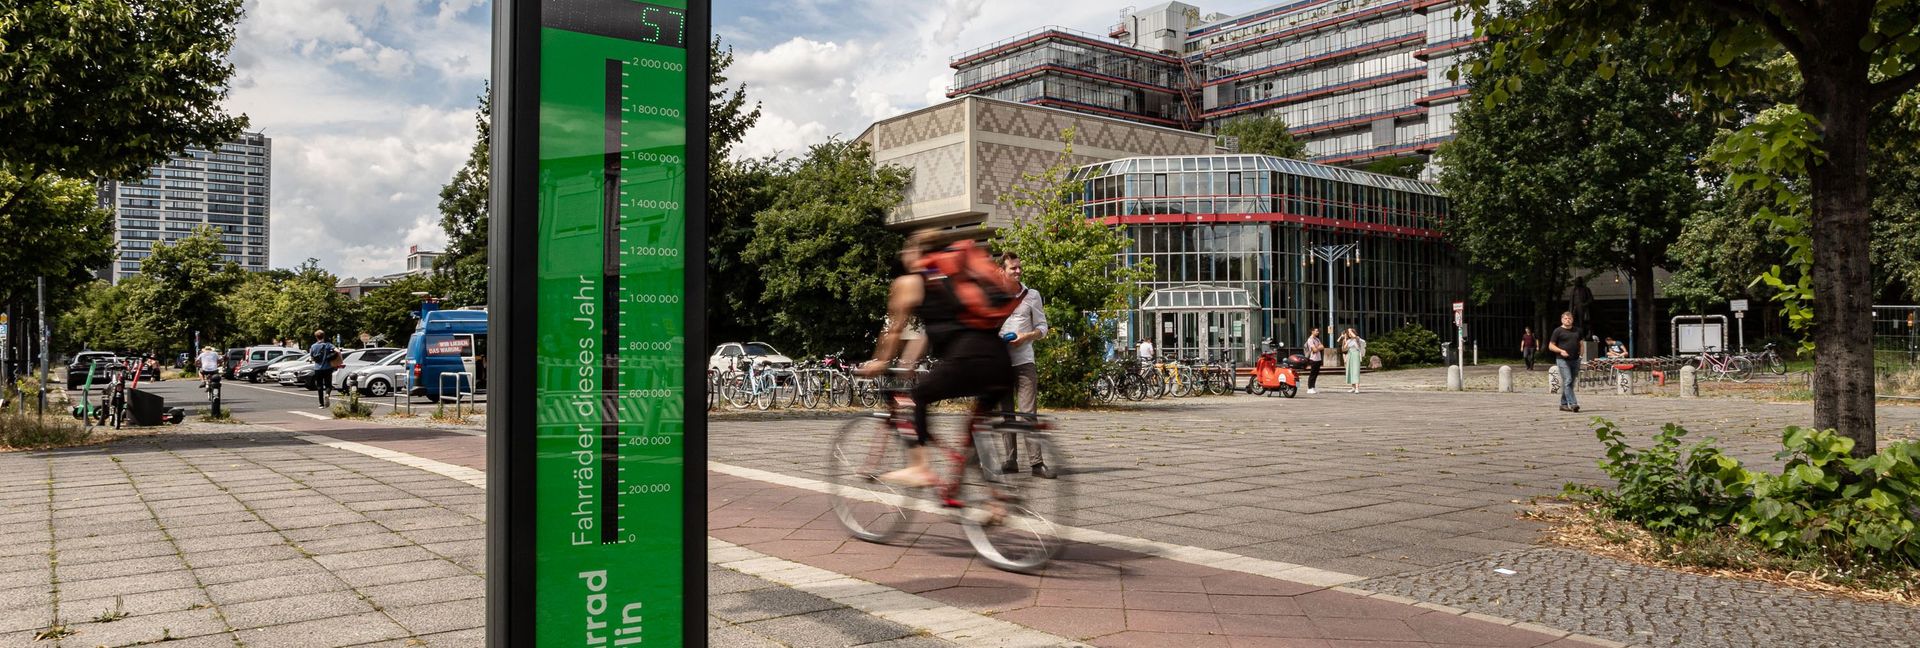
pixel 1009 467
pixel 1043 471
pixel 1576 409
pixel 1564 408
pixel 1312 391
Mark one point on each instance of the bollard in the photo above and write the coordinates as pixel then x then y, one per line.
pixel 1689 382
pixel 1553 379
pixel 1454 382
pixel 1506 379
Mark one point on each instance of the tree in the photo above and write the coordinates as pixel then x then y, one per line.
pixel 58 231
pixel 1264 135
pixel 463 215
pixel 105 88
pixel 187 280
pixel 389 314
pixel 1405 167
pixel 824 250
pixel 1071 261
pixel 102 318
pixel 1852 56
pixel 1611 193
pixel 736 190
pixel 308 301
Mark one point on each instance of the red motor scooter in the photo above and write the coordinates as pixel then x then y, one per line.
pixel 1274 375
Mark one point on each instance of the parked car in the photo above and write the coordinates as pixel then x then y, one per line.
pixel 728 356
pixel 287 366
pixel 260 358
pixel 379 378
pixel 354 359
pixel 77 369
pixel 235 357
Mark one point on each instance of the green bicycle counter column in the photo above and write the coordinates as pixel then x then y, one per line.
pixel 596 431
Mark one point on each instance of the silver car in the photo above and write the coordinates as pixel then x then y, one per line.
pixel 379 378
pixel 352 359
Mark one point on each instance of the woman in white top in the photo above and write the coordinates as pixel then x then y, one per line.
pixel 1356 350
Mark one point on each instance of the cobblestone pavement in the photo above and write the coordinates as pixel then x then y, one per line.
pixel 749 612
pixel 1630 603
pixel 1372 484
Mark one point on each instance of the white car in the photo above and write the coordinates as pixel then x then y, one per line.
pixel 378 378
pixel 286 366
pixel 732 354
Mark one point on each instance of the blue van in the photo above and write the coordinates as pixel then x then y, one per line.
pixel 447 341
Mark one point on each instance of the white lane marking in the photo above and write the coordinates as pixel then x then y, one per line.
pixel 1194 555
pixel 470 476
pixel 914 611
pixel 310 415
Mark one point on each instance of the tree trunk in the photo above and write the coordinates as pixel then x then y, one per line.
pixel 1843 371
pixel 1645 312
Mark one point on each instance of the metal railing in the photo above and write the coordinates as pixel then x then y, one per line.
pixel 462 391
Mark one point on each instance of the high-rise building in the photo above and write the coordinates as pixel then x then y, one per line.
pixel 227 188
pixel 1355 80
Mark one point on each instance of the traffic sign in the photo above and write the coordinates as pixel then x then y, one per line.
pixel 600 446
pixel 1738 305
pixel 1459 313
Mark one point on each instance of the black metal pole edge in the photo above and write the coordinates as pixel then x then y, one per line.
pixel 512 298
pixel 694 502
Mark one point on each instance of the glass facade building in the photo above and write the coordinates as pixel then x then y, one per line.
pixel 227 188
pixel 1062 68
pixel 1227 237
pixel 1355 80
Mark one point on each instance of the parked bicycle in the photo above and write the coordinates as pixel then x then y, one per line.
pixel 1014 521
pixel 1725 366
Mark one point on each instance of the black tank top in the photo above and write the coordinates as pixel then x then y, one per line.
pixel 939 314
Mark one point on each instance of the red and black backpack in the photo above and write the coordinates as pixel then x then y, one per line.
pixel 985 293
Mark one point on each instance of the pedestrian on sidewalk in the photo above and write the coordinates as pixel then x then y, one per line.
pixel 1528 346
pixel 323 353
pixel 1356 350
pixel 1316 358
pixel 1145 351
pixel 1026 324
pixel 1565 345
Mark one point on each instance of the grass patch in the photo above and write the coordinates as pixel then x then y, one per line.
pixel 27 431
pixel 1722 553
pixel 352 408
pixel 457 415
pixel 116 613
pixel 226 416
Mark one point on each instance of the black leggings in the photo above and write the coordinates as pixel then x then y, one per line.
pixel 975 365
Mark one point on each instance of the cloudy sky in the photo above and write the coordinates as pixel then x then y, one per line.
pixel 370 102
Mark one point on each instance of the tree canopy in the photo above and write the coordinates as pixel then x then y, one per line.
pixel 824 250
pixel 105 88
pixel 1075 265
pixel 188 282
pixel 1852 57
pixel 1611 193
pixel 1264 135
pixel 463 216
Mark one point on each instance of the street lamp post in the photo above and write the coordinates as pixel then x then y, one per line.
pixel 1348 252
pixel 1630 310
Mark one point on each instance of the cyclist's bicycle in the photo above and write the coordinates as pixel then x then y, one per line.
pixel 1015 521
pixel 1769 357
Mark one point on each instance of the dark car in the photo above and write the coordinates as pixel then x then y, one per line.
pixel 99 361
pixel 259 358
pixel 235 357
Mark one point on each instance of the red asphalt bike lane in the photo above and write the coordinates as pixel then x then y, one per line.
pixel 1103 596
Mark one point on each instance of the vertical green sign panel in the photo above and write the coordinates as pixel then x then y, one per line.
pixel 602 361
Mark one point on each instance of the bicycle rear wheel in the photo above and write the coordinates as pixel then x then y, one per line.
pixel 863 449
pixel 1775 365
pixel 1017 521
pixel 1103 389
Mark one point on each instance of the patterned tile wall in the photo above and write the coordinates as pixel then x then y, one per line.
pixel 945 120
pixel 937 173
pixel 1047 124
pixel 1001 167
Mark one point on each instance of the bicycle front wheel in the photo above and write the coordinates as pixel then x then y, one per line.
pixel 1103 389
pixel 1017 521
pixel 1739 369
pixel 864 449
pixel 1775 365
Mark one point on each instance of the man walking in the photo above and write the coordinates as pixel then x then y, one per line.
pixel 1316 358
pixel 1564 344
pixel 1027 324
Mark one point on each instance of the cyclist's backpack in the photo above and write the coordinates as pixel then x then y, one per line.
pixel 985 293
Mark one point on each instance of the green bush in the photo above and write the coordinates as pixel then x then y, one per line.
pixel 1823 502
pixel 351 407
pixel 1412 344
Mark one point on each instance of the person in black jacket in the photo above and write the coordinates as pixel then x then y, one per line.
pixel 1564 344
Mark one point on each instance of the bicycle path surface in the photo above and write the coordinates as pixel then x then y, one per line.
pixel 1096 594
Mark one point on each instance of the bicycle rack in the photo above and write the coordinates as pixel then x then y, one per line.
pixel 458 393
